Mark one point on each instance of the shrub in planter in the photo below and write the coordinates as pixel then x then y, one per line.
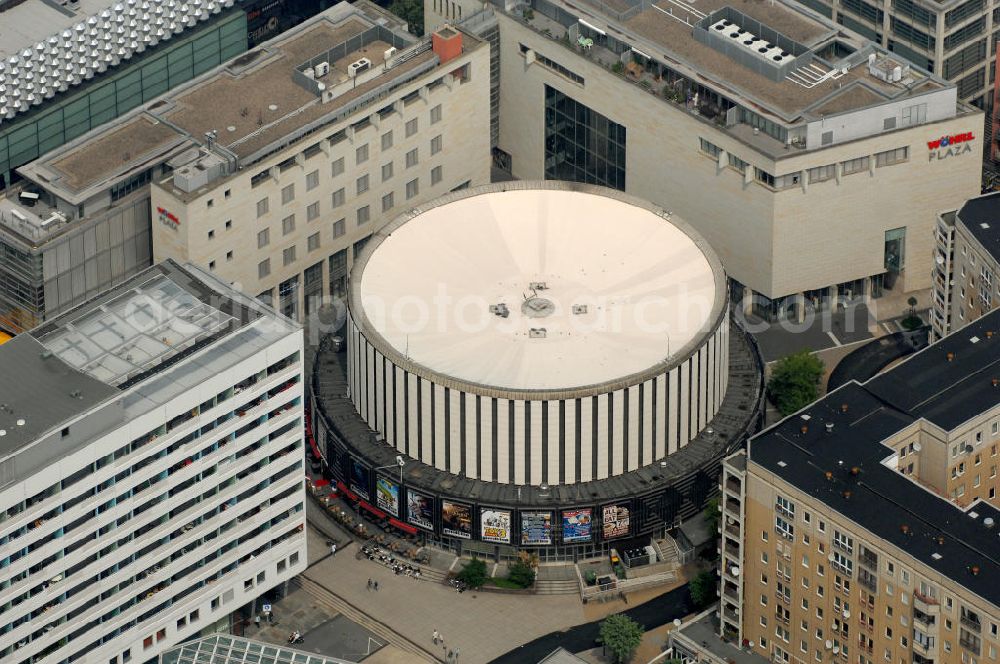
pixel 474 573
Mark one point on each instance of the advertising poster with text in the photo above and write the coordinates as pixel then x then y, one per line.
pixel 387 495
pixel 536 527
pixel 576 525
pixel 495 526
pixel 616 521
pixel 456 519
pixel 420 510
pixel 360 480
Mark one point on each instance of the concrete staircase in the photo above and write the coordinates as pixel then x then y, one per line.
pixel 324 596
pixel 557 587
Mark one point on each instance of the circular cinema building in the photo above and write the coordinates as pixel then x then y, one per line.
pixel 556 364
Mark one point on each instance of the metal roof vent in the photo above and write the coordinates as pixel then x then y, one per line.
pixel 579 309
pixel 988 522
pixel 536 333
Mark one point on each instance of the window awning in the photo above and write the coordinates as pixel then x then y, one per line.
pixel 372 509
pixel 323 482
pixel 405 527
pixel 347 492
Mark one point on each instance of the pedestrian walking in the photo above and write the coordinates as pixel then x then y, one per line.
pixel 256 621
pixel 369 585
pixel 376 586
pixel 436 635
pixel 457 650
pixel 333 549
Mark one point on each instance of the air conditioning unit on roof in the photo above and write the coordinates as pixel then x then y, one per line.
pixel 359 66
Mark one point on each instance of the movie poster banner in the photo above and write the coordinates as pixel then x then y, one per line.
pixel 387 495
pixel 576 525
pixel 495 526
pixel 360 479
pixel 536 527
pixel 456 519
pixel 419 509
pixel 616 521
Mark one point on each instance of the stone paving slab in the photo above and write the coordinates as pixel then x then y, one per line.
pixel 481 625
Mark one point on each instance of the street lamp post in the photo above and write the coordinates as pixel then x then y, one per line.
pixel 400 462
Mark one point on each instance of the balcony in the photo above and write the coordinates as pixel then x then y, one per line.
pixel 970 643
pixel 733 507
pixel 926 604
pixel 733 530
pixel 971 623
pixel 733 486
pixel 923 621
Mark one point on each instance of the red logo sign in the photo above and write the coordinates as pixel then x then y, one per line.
pixel 168 219
pixel 946 141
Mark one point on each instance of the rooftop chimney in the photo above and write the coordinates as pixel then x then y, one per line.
pixel 447 43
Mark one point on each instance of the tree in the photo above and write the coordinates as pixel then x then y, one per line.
pixel 712 517
pixel 521 573
pixel 473 574
pixel 411 11
pixel 621 635
pixel 702 589
pixel 795 381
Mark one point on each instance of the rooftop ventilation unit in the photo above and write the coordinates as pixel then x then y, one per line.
pixel 389 52
pixel 359 66
pixel 536 333
pixel 322 69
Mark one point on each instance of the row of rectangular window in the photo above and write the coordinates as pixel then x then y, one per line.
pixel 214 512
pixel 361 183
pixel 134 446
pixel 361 154
pixel 363 216
pixel 816 174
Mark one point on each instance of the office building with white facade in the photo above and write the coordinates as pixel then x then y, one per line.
pixel 151 481
pixel 813 161
pixel 318 140
pixel 263 175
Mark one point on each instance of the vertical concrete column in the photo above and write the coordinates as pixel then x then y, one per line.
pixel 800 307
pixel 747 303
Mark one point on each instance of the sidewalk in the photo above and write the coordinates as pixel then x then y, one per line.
pixel 482 625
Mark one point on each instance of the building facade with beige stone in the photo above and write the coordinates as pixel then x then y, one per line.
pixel 809 169
pixel 269 171
pixel 864 528
pixel 411 124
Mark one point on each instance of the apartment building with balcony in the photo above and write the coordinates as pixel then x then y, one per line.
pixel 151 480
pixel 802 153
pixel 966 264
pixel 864 528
